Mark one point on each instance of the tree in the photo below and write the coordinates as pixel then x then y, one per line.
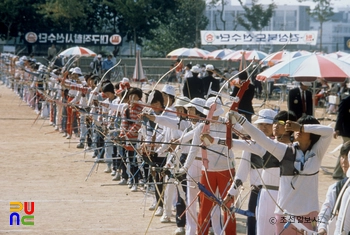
pixel 255 17
pixel 181 30
pixel 66 14
pixel 137 18
pixel 322 12
pixel 18 16
pixel 214 3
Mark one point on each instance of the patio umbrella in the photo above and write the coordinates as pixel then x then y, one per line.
pixel 308 68
pixel 345 58
pixel 275 57
pixel 188 52
pixel 248 55
pixel 294 54
pixel 219 54
pixel 337 54
pixel 138 71
pixel 77 51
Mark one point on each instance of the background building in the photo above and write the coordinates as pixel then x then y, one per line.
pixel 286 17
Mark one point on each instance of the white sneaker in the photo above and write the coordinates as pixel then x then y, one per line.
pixel 159 211
pixel 134 188
pixel 116 177
pixel 68 137
pixel 165 219
pixel 65 134
pixel 122 182
pixel 113 173
pixel 108 169
pixel 180 231
pixel 152 207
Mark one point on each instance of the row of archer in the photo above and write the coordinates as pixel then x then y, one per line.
pixel 218 165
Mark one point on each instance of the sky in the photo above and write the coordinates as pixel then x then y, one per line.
pixel 335 3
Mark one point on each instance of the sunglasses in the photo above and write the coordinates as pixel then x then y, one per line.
pixel 280 122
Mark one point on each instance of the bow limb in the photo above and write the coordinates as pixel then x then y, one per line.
pixel 98 87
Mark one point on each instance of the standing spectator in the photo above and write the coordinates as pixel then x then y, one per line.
pixel 187 72
pixel 342 128
pixel 246 105
pixel 172 74
pixel 300 100
pixel 193 87
pixel 179 69
pixel 106 65
pixel 97 65
pixel 51 52
pixel 207 80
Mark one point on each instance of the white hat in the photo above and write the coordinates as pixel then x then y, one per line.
pixel 77 70
pixel 209 67
pixel 266 116
pixel 125 80
pixel 306 83
pixel 181 101
pixel 23 58
pixel 170 90
pixel 99 56
pixel 71 70
pixel 218 111
pixel 195 69
pixel 197 103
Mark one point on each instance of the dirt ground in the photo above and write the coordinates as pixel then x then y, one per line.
pixel 39 165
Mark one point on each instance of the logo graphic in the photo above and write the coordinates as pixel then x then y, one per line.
pixel 27 219
pixel 31 37
pixel 309 37
pixel 115 39
pixel 209 37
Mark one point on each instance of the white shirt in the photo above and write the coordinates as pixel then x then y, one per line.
pixel 303 199
pixel 217 162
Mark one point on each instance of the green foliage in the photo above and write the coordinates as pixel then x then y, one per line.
pixel 139 17
pixel 18 16
pixel 66 14
pixel 256 17
pixel 183 29
pixel 323 10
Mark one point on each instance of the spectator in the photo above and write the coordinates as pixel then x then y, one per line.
pixel 97 65
pixel 193 87
pixel 300 100
pixel 51 52
pixel 246 105
pixel 210 80
pixel 106 65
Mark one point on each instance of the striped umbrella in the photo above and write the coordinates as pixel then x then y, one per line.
pixel 295 54
pixel 188 52
pixel 275 57
pixel 337 54
pixel 77 51
pixel 219 54
pixel 248 55
pixel 345 58
pixel 308 68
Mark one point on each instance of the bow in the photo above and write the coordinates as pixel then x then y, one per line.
pixel 205 130
pixel 234 107
pixel 98 87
